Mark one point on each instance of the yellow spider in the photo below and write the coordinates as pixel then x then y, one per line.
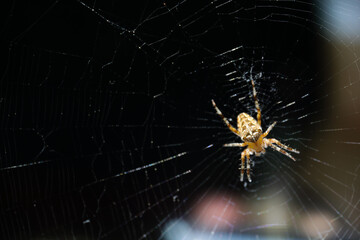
pixel 252 136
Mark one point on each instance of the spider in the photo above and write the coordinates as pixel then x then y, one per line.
pixel 250 132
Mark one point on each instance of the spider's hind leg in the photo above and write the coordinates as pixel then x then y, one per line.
pixel 235 145
pixel 257 106
pixel 234 130
pixel 268 130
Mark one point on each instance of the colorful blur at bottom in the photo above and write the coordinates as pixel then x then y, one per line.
pixel 224 216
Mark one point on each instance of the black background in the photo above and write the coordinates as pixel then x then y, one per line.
pixel 84 93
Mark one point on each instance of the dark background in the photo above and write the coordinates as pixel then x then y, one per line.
pixel 88 92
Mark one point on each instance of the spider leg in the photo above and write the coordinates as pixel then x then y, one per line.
pixel 242 165
pixel 282 151
pixel 248 165
pixel 268 130
pixel 273 140
pixel 256 100
pixel 234 130
pixel 235 145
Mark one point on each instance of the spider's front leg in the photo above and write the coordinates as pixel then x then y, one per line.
pixel 271 143
pixel 245 153
pixel 242 165
pixel 248 164
pixel 273 140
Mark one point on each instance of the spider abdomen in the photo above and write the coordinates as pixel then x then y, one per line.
pixel 249 129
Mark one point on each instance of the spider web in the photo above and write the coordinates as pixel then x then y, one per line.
pixel 108 132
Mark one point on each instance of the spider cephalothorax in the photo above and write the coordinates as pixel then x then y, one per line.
pixel 250 132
